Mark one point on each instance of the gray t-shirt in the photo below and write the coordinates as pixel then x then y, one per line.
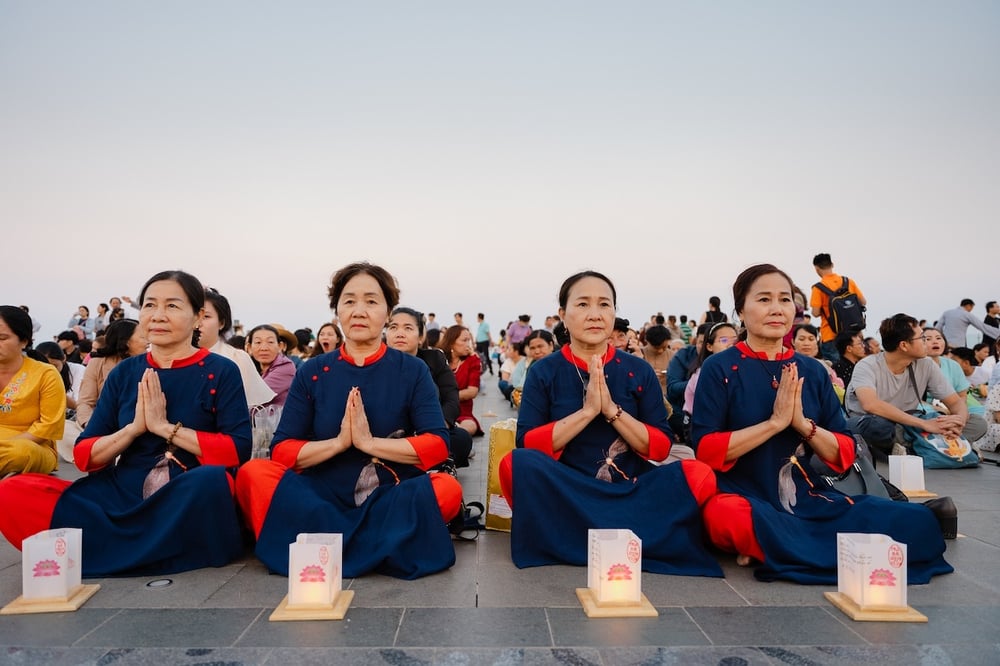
pixel 872 372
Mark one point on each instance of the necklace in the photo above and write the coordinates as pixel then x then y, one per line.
pixel 582 382
pixel 774 380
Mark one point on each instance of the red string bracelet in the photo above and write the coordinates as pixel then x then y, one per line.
pixel 812 433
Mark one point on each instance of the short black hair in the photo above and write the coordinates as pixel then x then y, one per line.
pixel 967 301
pixel 844 340
pixel 657 335
pixel 896 329
pixel 965 354
pixel 823 260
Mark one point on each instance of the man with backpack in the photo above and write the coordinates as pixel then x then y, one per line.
pixel 839 304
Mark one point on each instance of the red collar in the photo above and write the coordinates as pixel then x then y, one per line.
pixel 746 351
pixel 181 362
pixel 369 360
pixel 580 363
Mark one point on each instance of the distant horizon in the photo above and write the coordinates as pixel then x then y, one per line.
pixel 483 153
pixel 445 316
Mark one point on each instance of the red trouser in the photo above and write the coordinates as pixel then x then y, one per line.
pixel 730 525
pixel 28 502
pixel 258 479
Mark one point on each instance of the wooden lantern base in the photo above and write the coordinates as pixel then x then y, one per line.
pixel 593 608
pixel 21 606
pixel 852 610
pixel 919 494
pixel 337 611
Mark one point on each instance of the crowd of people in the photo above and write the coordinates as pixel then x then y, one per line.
pixel 717 420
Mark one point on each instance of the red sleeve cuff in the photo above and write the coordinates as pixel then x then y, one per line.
pixel 712 451
pixel 540 439
pixel 287 452
pixel 81 455
pixel 846 453
pixel 659 444
pixel 430 448
pixel 217 449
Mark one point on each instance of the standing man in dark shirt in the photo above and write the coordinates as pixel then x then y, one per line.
pixel 992 318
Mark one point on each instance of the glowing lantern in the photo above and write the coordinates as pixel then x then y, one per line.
pixel 315 579
pixel 871 579
pixel 51 573
pixel 614 576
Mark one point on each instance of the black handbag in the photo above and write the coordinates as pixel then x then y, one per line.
pixel 860 478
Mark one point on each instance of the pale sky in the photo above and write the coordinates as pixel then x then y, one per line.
pixel 483 152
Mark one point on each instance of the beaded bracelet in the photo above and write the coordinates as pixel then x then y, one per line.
pixel 617 415
pixel 170 440
pixel 812 433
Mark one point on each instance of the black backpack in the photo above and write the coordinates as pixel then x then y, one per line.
pixel 844 311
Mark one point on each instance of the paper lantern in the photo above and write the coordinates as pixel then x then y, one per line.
pixel 315 579
pixel 614 576
pixel 51 573
pixel 871 579
pixel 907 474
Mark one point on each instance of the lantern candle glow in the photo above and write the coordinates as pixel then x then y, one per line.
pixel 871 579
pixel 614 576
pixel 315 579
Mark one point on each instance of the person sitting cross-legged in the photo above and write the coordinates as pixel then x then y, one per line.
pixel 761 414
pixel 886 387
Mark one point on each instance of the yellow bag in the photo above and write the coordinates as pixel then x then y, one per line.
pixel 498 511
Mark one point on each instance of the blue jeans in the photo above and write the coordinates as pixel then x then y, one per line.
pixel 506 388
pixel 877 431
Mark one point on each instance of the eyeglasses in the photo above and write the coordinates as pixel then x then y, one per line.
pixel 724 339
pixel 922 338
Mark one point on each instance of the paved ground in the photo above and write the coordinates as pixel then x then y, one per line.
pixel 485 611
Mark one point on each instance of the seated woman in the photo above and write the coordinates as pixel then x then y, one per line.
pixel 536 345
pixel 122 339
pixel 32 402
pixel 217 319
pixel 805 341
pixel 328 338
pixel 71 373
pixel 158 497
pixel 760 412
pixel 720 336
pixel 266 347
pixel 361 427
pixel 990 442
pixel 954 371
pixel 456 343
pixel 591 420
pixel 405 333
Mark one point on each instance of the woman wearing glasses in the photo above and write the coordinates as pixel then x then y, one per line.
pixel 158 496
pixel 761 413
pixel 592 423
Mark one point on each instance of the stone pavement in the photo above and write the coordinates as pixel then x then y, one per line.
pixel 486 611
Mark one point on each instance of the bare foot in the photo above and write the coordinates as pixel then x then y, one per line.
pixel 743 560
